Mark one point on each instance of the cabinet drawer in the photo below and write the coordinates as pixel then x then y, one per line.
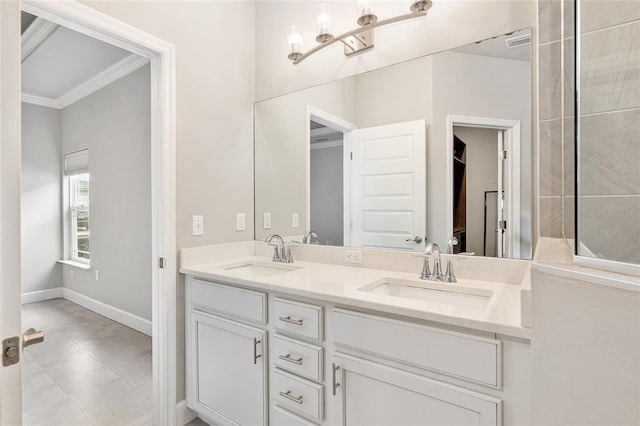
pixel 228 300
pixel 300 358
pixel 299 395
pixel 282 417
pixel 465 356
pixel 300 319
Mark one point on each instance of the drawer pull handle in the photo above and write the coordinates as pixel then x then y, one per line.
pixel 291 321
pixel 288 358
pixel 335 384
pixel 255 351
pixel 288 395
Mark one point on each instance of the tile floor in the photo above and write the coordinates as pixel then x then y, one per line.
pixel 89 370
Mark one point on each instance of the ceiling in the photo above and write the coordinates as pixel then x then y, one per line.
pixel 60 61
pixel 496 47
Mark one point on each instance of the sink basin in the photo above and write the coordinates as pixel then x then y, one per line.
pixel 262 268
pixel 448 294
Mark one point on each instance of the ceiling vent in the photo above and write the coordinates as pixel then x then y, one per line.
pixel 519 41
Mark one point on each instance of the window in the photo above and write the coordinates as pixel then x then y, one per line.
pixel 78 232
pixel 79 213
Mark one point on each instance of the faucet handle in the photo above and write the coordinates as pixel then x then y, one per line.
pixel 276 253
pixel 449 276
pixel 426 273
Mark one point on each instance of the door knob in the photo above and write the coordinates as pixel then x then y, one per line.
pixel 31 337
pixel 417 239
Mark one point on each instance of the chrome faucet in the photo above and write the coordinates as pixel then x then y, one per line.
pixel 309 237
pixel 281 253
pixel 432 249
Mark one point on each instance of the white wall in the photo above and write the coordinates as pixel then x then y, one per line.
pixel 41 197
pixel 465 85
pixel 115 124
pixel 585 351
pixel 448 24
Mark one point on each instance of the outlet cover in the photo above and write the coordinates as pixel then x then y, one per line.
pixel 295 220
pixel 266 220
pixel 354 256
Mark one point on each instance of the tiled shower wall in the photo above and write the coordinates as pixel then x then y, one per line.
pixel 556 117
pixel 609 217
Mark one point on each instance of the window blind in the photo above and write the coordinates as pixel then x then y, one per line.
pixel 76 162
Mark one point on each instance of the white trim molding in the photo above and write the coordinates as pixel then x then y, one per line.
pixel 184 414
pixel 36 34
pixel 115 72
pixel 39 100
pixel 91 22
pixel 42 295
pixel 130 320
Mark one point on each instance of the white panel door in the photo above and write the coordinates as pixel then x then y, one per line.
pixel 388 186
pixel 10 314
pixel 371 394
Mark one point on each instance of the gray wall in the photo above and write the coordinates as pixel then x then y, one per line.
pixel 114 123
pixel 327 195
pixel 609 192
pixel 41 197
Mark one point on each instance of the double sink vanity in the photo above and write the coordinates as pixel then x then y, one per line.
pixel 318 341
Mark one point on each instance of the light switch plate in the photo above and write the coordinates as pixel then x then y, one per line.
pixel 198 226
pixel 240 222
pixel 266 220
pixel 295 220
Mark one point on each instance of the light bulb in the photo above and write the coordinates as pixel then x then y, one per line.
pixel 365 11
pixel 295 43
pixel 323 22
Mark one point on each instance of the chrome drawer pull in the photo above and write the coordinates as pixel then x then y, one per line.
pixel 255 351
pixel 288 358
pixel 334 383
pixel 287 395
pixel 291 321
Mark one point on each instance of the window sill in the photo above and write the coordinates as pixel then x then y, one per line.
pixel 75 264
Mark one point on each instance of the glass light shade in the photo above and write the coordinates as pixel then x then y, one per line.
pixel 365 12
pixel 295 43
pixel 323 24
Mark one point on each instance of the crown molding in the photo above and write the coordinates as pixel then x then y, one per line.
pixel 115 72
pixel 40 100
pixel 36 34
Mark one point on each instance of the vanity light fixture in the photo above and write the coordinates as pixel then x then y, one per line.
pixel 354 41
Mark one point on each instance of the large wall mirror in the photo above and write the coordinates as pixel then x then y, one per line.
pixel 433 149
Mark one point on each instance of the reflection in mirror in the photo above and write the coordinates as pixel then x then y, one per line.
pixel 371 160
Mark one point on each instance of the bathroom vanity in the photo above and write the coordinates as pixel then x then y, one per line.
pixel 324 343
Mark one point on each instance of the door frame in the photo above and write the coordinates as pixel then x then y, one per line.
pixel 336 123
pixel 512 140
pixel 161 54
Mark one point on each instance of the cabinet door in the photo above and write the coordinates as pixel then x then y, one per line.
pixel 368 393
pixel 229 382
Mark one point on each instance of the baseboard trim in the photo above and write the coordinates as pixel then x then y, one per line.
pixel 41 295
pixel 116 314
pixel 184 414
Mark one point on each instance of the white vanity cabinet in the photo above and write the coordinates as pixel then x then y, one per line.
pixel 258 358
pixel 370 392
pixel 226 360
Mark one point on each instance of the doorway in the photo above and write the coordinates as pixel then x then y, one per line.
pixel 161 55
pixel 504 157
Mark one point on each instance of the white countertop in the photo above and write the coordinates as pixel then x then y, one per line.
pixel 340 283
